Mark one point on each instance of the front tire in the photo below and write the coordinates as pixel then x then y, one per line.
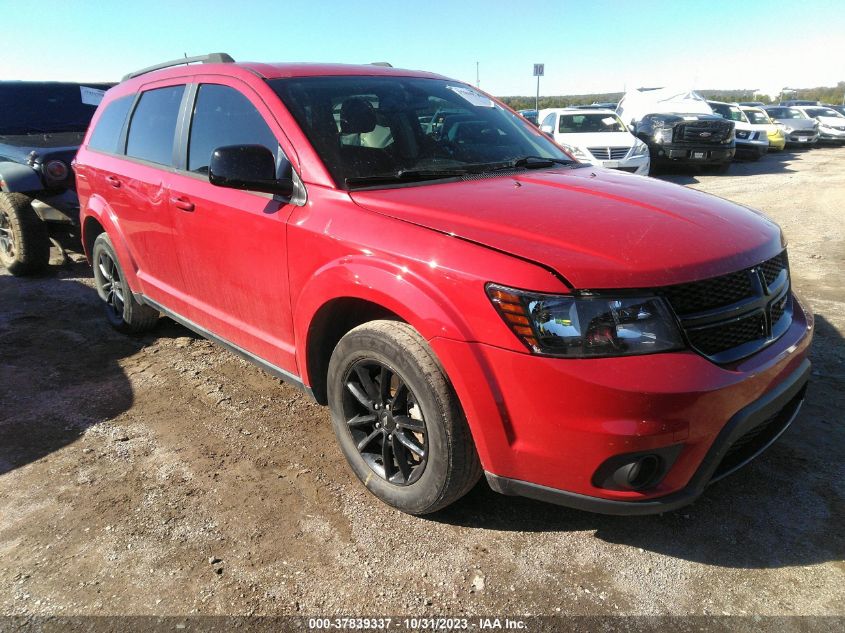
pixel 24 239
pixel 398 420
pixel 123 312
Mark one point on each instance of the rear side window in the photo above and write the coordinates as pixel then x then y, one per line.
pixel 106 134
pixel 223 116
pixel 153 126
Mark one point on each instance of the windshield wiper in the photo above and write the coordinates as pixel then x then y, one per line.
pixel 406 175
pixel 535 162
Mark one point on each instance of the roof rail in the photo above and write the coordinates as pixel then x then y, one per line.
pixel 385 64
pixel 213 58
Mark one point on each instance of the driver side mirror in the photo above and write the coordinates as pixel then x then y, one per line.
pixel 247 167
pixel 547 129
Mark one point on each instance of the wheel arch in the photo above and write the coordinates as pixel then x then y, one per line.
pixel 97 218
pixel 345 295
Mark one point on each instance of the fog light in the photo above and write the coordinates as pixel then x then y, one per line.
pixel 639 473
pixel 636 471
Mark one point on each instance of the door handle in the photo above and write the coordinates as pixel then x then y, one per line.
pixel 114 182
pixel 182 203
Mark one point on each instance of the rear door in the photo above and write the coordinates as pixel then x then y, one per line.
pixel 232 247
pixel 139 190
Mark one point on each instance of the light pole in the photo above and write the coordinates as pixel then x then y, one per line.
pixel 477 79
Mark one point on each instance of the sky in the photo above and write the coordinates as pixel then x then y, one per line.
pixel 587 46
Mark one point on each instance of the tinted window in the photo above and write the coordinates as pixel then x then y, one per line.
pixel 223 116
pixel 389 127
pixel 41 107
pixel 153 125
pixel 590 123
pixel 106 134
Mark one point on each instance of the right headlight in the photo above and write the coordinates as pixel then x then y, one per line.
pixel 663 135
pixel 587 326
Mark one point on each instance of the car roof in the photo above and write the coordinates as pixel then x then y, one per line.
pixel 277 71
pixel 572 110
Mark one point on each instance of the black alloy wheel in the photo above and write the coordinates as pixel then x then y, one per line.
pixel 386 422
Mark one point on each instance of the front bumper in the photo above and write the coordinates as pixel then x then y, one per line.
pixel 635 164
pixel 752 147
pixel 829 134
pixel 544 427
pixel 799 138
pixel 693 154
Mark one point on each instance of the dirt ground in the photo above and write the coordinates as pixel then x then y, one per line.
pixel 163 475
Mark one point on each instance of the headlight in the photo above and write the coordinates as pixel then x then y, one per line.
pixel 587 327
pixel 55 170
pixel 640 149
pixel 663 135
pixel 576 152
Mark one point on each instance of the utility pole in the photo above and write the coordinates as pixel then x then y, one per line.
pixel 538 72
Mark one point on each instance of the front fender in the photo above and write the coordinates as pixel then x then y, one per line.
pixel 391 286
pixel 17 178
pixel 100 211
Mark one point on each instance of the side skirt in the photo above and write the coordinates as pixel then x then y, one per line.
pixel 270 368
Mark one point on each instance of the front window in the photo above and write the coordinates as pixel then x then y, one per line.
pixel 729 112
pixel 786 113
pixel 757 117
pixel 371 127
pixel 589 123
pixel 815 112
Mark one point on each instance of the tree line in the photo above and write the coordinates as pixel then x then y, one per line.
pixel 825 94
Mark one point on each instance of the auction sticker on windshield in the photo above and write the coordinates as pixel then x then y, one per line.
pixel 472 96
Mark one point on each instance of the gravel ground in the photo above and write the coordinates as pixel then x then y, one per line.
pixel 163 475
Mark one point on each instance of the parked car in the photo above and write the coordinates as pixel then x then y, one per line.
pixel 466 302
pixel 530 115
pixel 831 123
pixel 751 141
pixel 839 108
pixel 41 125
pixel 678 127
pixel 760 120
pixel 752 104
pixel 798 128
pixel 598 137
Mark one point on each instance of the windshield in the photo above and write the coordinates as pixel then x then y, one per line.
pixel 814 112
pixel 786 113
pixel 732 113
pixel 39 108
pixel 757 117
pixel 588 123
pixel 368 127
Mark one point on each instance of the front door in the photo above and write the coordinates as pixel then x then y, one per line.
pixel 232 243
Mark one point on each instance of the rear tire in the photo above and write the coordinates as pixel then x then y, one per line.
pixel 24 239
pixel 398 420
pixel 123 312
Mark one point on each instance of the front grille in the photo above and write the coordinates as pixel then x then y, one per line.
pixel 754 441
pixel 742 133
pixel 704 132
pixel 710 293
pixel 712 340
pixel 730 317
pixel 609 153
pixel 807 133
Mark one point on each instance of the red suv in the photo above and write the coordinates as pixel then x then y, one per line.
pixel 463 295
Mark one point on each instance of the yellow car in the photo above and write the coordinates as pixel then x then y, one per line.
pixel 758 118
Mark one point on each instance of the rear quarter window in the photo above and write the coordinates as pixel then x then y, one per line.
pixel 105 136
pixel 152 130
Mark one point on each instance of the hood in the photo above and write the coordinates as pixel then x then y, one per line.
pixel 598 139
pixel 638 103
pixel 596 228
pixel 831 121
pixel 18 147
pixel 798 124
